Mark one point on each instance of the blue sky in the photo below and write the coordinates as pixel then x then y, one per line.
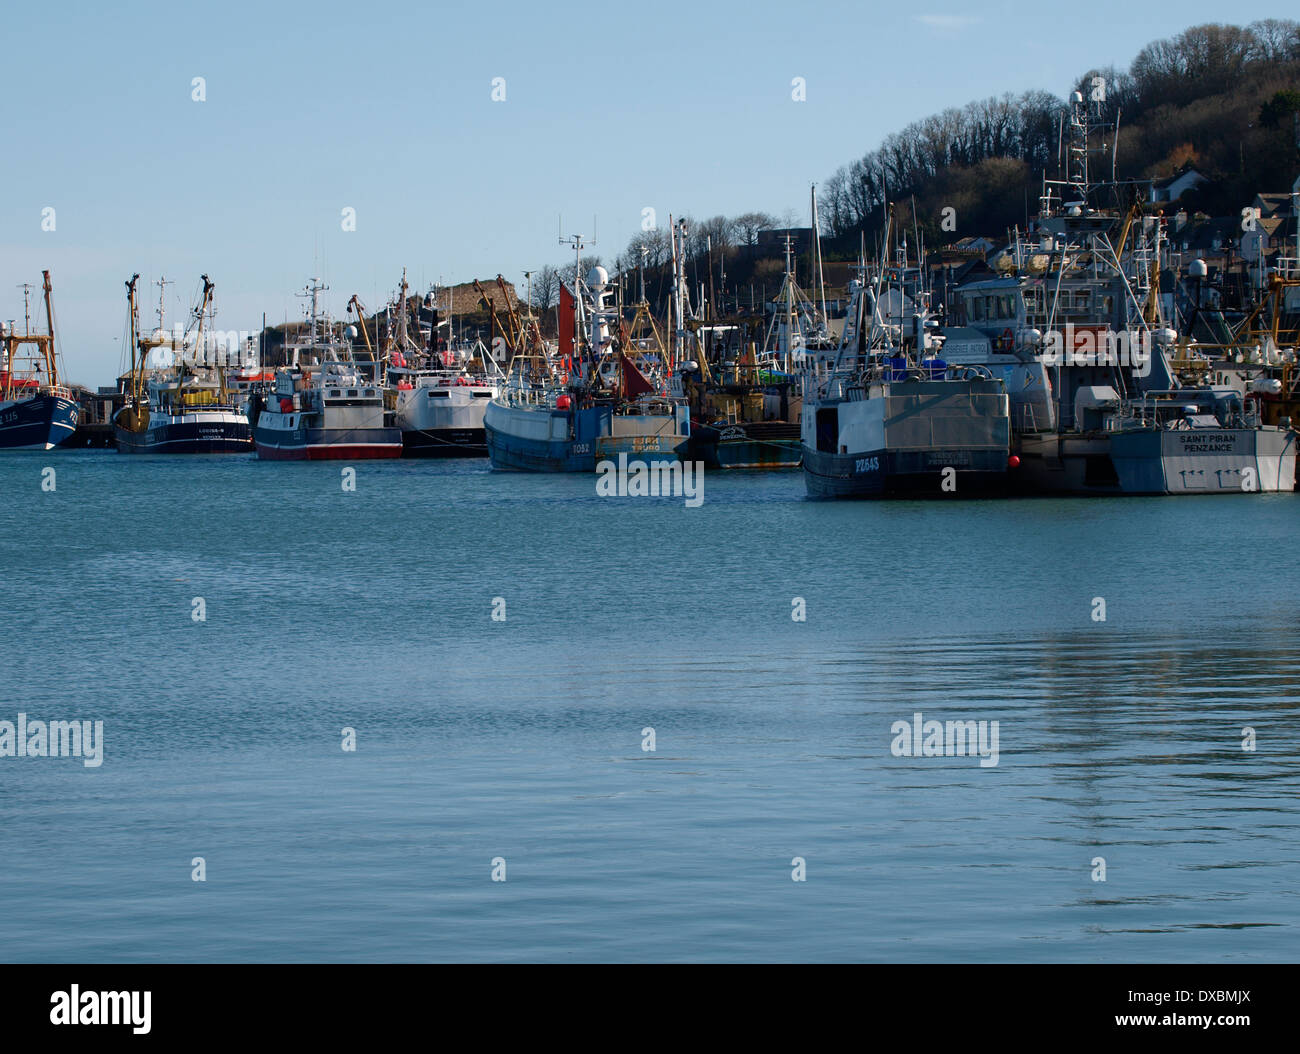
pixel 387 109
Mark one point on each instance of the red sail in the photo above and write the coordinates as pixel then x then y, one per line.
pixel 634 381
pixel 566 320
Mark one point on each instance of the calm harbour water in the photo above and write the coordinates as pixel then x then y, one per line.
pixel 522 739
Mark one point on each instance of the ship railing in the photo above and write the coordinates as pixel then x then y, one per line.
pixel 1026 418
pixel 528 397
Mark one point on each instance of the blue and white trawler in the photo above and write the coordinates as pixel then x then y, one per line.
pixel 590 403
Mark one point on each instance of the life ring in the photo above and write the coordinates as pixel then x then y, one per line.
pixel 1008 340
pixel 461 382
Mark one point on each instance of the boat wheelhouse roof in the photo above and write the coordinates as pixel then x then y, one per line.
pixel 990 284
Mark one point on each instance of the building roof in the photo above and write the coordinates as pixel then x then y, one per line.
pixel 1168 181
pixel 1202 235
pixel 1272 204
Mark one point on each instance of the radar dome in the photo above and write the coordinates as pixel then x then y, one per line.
pixel 597 277
pixel 351 332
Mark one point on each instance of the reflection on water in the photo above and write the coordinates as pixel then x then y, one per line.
pixel 1119 741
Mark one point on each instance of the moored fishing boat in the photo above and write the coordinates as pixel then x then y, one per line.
pixel 440 412
pixel 36 410
pixel 566 417
pixel 745 403
pixel 1107 398
pixel 184 406
pixel 327 404
pixel 437 389
pixel 745 415
pixel 890 417
pixel 888 425
pixel 1200 441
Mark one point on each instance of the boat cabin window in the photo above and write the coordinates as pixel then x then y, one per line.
pixel 334 393
pixel 352 393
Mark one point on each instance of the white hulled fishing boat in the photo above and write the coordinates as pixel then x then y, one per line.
pixel 437 389
pixel 328 403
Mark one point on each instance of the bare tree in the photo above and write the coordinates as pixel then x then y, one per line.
pixel 649 246
pixel 546 288
pixel 720 232
pixel 748 224
pixel 1276 39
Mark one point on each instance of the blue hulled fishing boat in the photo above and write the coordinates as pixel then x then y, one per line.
pixel 183 407
pixel 592 404
pixel 36 411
